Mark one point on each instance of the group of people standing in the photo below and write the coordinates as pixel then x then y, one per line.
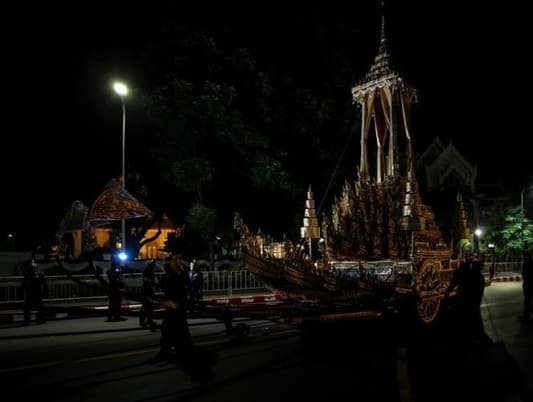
pixel 181 292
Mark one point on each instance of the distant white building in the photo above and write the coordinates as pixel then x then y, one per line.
pixel 441 166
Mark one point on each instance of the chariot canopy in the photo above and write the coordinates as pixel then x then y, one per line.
pixel 116 203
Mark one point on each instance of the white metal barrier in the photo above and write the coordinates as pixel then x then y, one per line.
pixel 81 287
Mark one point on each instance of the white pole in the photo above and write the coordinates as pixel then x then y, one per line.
pixel 122 91
pixel 123 166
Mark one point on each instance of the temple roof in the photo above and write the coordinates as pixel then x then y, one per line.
pixel 440 162
pixel 431 153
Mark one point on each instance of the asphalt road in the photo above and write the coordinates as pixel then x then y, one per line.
pixel 376 360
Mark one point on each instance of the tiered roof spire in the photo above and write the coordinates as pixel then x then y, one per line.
pixel 382 72
pixel 310 228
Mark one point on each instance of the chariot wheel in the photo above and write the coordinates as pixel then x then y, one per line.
pixel 428 309
pixel 428 284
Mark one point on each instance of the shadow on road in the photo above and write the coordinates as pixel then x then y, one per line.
pixel 196 363
pixel 437 362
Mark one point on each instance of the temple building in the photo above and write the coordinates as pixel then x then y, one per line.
pixel 441 166
pixel 444 174
pixel 104 236
pixel 95 228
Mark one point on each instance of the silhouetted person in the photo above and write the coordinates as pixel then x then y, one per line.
pixel 114 291
pixel 527 285
pixel 470 285
pixel 175 331
pixel 146 315
pixel 196 284
pixel 476 288
pixel 459 280
pixel 35 289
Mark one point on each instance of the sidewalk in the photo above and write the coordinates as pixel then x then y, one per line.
pixel 79 309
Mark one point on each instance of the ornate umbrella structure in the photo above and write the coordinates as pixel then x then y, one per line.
pixel 114 204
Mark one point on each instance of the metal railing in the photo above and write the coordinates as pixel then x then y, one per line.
pixel 84 287
pixel 501 267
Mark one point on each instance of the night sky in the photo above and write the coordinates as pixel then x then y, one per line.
pixel 62 122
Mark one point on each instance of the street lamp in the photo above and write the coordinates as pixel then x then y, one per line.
pixel 122 91
pixel 477 233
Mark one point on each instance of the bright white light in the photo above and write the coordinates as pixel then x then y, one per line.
pixel 10 235
pixel 120 88
pixel 122 256
pixel 490 245
pixel 478 232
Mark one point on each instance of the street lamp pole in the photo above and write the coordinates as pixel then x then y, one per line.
pixel 122 91
pixel 522 199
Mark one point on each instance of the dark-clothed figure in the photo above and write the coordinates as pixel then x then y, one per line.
pixel 476 288
pixel 527 285
pixel 115 289
pixel 35 289
pixel 470 284
pixel 147 310
pixel 459 280
pixel 197 284
pixel 174 330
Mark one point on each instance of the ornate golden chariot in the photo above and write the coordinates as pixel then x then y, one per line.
pixel 379 240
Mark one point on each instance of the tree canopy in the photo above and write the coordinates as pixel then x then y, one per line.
pixel 228 132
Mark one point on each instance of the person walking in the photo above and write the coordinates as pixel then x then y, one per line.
pixel 175 331
pixel 35 288
pixel 527 286
pixel 146 315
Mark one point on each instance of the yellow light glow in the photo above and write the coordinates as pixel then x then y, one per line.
pixel 120 88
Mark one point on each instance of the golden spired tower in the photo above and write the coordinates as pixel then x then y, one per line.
pixel 310 230
pixel 378 225
pixel 376 217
